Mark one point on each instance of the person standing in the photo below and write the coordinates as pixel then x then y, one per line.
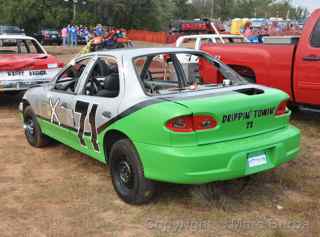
pixel 74 35
pixel 86 34
pixel 99 30
pixel 248 30
pixel 64 35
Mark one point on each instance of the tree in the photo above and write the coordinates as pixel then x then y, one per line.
pixel 138 14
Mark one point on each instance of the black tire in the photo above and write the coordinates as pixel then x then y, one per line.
pixel 127 174
pixel 32 129
pixel 293 107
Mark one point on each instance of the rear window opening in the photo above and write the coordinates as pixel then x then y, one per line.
pixel 19 46
pixel 250 91
pixel 168 73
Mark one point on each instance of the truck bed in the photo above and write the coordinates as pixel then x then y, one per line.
pixel 267 64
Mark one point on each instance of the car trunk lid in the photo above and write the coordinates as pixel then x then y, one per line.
pixel 240 112
pixel 13 62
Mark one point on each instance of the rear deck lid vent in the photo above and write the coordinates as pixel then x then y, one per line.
pixel 250 91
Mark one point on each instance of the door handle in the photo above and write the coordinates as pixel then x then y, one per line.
pixel 107 114
pixel 311 58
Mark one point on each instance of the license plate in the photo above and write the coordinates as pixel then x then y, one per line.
pixel 257 160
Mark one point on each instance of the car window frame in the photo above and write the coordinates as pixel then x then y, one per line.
pixel 84 74
pixel 177 65
pixel 95 60
pixel 179 70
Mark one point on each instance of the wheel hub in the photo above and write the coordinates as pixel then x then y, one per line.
pixel 125 172
pixel 29 127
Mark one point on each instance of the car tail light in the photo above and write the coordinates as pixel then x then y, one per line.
pixel 181 124
pixel 203 122
pixel 282 108
pixel 191 123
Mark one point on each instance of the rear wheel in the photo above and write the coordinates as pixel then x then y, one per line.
pixel 128 175
pixel 32 129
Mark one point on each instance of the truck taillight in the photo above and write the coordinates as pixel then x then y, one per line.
pixel 282 108
pixel 191 123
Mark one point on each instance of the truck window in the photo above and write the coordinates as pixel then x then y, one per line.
pixel 189 43
pixel 205 41
pixel 315 37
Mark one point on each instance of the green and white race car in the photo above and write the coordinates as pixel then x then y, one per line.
pixel 151 116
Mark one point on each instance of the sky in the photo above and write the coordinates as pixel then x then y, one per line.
pixel 310 4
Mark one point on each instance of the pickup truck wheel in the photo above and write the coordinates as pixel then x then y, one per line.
pixel 32 129
pixel 127 174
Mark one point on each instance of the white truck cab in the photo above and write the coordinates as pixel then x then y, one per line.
pixel 195 41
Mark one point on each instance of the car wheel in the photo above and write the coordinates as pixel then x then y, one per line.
pixel 127 174
pixel 32 129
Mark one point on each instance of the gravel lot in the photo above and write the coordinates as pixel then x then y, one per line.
pixel 59 192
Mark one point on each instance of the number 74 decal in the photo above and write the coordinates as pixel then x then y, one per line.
pixel 83 109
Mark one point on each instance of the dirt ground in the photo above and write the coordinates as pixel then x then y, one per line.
pixel 59 192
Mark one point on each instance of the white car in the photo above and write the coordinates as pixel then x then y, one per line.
pixel 25 63
pixel 142 113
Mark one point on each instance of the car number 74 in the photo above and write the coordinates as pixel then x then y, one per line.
pixel 83 109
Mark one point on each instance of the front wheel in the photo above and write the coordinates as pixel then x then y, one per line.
pixel 32 129
pixel 128 175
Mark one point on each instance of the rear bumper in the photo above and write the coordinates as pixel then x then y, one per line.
pixel 19 85
pixel 217 162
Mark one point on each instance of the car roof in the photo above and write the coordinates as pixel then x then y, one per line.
pixel 136 52
pixel 20 37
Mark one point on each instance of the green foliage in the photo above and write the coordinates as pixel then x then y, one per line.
pixel 138 14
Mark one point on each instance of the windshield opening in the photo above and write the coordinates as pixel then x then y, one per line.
pixel 169 73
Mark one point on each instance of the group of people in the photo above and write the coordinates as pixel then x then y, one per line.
pixel 72 34
pixel 255 35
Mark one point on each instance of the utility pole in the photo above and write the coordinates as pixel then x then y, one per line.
pixel 74 10
pixel 213 9
pixel 75 2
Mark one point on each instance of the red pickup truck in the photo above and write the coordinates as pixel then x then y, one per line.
pixel 291 64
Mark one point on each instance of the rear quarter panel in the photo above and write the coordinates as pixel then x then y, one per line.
pixel 148 125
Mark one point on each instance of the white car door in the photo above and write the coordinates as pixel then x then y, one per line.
pixel 57 102
pixel 98 100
